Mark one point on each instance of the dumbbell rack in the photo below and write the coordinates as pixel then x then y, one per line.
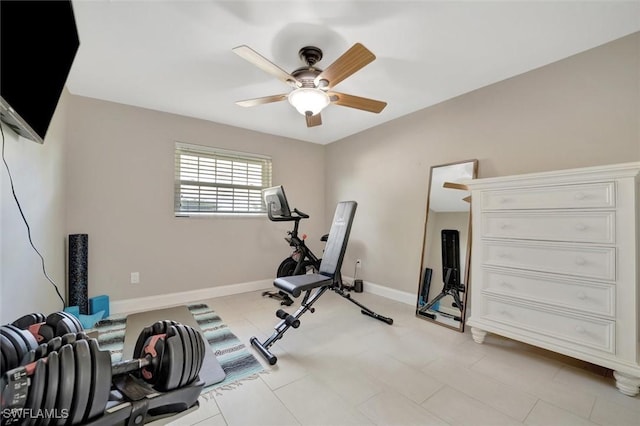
pixel 145 404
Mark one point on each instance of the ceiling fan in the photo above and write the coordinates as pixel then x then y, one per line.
pixel 312 86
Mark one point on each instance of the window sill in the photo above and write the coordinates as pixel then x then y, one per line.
pixel 194 215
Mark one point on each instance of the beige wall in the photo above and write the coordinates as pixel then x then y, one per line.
pixel 580 111
pixel 120 192
pixel 38 176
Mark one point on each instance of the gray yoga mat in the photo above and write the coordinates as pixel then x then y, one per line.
pixel 211 372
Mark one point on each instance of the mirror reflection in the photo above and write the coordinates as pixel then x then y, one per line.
pixel 442 291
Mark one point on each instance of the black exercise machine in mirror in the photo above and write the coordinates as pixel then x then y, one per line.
pixel 443 286
pixel 315 285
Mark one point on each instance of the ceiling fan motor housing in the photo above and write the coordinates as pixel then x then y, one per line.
pixel 310 55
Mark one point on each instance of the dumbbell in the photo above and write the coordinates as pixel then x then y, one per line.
pixel 77 379
pixel 46 328
pixel 33 328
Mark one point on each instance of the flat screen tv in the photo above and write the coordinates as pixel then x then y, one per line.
pixel 38 42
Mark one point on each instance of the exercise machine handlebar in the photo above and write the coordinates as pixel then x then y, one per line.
pixel 299 215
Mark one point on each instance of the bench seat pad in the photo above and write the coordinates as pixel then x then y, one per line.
pixel 296 284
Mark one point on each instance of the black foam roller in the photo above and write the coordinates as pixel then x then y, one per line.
pixel 78 271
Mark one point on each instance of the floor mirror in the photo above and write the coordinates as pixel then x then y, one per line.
pixel 444 269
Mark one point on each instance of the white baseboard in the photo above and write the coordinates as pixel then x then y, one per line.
pixel 173 299
pixel 389 293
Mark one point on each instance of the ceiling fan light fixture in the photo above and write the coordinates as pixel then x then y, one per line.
pixel 309 99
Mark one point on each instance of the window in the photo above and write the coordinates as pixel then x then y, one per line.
pixel 211 180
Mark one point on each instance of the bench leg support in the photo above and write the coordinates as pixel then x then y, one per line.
pixel 285 324
pixel 365 310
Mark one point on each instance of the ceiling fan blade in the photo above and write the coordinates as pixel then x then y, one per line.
pixel 313 120
pixel 266 65
pixel 260 101
pixel 467 198
pixel 351 61
pixel 357 102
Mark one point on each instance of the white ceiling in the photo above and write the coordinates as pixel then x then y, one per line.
pixel 175 56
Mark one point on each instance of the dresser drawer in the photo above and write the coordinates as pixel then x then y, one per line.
pixel 590 298
pixel 592 227
pixel 594 195
pixel 593 333
pixel 588 262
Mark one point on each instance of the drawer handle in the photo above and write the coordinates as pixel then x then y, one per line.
pixel 581 227
pixel 580 196
pixel 581 261
pixel 503 255
pixel 504 200
pixel 580 329
pixel 506 284
pixel 582 295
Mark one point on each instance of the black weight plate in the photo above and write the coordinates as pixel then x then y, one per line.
pixel 54 344
pixel 45 333
pixel 36 391
pixel 51 388
pixel 68 339
pixel 29 357
pixel 82 387
pixel 203 349
pixel 16 341
pixel 61 323
pixel 66 380
pixel 172 361
pixel 81 335
pixel 9 352
pixel 197 353
pixel 74 320
pixel 100 380
pixel 142 339
pixel 186 354
pixel 25 321
pixel 28 338
pixel 41 351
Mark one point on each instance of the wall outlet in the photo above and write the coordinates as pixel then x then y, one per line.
pixel 135 278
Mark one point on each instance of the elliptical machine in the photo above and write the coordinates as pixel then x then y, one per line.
pixel 302 260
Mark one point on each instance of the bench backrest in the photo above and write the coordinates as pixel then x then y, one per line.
pixel 338 238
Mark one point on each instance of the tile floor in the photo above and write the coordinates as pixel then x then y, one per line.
pixel 344 368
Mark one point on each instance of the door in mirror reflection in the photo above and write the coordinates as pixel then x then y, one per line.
pixel 443 286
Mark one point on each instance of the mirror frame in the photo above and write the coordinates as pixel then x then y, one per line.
pixel 467 260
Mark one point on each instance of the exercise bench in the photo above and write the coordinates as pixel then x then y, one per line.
pixel 315 285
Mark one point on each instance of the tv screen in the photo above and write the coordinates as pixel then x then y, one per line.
pixel 276 202
pixel 38 42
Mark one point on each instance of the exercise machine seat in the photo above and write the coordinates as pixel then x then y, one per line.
pixel 296 284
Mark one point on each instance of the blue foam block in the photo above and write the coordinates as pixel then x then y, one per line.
pixel 73 310
pixel 88 321
pixel 99 303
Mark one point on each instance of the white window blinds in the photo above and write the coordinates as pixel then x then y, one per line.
pixel 211 180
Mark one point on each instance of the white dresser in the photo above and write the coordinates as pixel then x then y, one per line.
pixel 554 263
